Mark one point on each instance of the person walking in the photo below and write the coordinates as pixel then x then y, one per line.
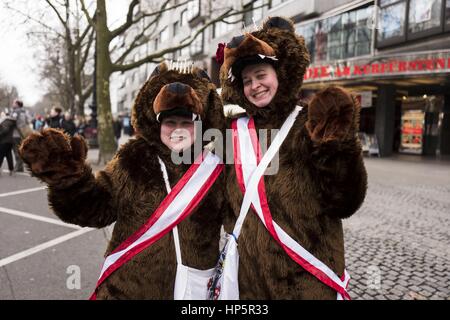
pixel 68 125
pixel 20 132
pixel 7 126
pixel 54 120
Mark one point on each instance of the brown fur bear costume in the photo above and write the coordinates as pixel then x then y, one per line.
pixel 321 177
pixel 131 187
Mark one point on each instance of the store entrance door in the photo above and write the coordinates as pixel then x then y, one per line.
pixel 420 124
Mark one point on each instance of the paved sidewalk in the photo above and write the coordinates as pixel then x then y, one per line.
pixel 398 243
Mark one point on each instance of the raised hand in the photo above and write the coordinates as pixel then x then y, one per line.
pixel 333 115
pixel 54 157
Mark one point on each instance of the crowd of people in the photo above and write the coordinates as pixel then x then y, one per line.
pixel 16 123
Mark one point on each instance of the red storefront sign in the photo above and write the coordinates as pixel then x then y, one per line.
pixel 391 67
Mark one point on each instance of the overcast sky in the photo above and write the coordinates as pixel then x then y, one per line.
pixel 17 66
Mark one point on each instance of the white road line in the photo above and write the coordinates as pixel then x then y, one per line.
pixel 37 217
pixel 43 246
pixel 13 193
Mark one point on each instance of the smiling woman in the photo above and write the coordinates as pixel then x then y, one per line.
pixel 260 83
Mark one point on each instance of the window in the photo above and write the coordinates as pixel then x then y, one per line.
pixel 363 31
pixel 335 38
pixel 447 15
pixel 339 37
pixel 197 45
pixel 391 20
pixel 164 35
pixel 258 13
pixel 423 18
pixel 307 32
pixel 176 28
pixel 424 15
pixel 275 3
pixel 193 9
pixel 183 18
pixel 221 28
pixel 248 14
pixel 321 40
pixel 349 34
pixel 253 14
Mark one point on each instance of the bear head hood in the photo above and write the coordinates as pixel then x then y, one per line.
pixel 275 43
pixel 176 89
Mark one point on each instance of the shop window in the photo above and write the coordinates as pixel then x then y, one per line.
pixel 349 34
pixel 307 32
pixel 339 37
pixel 335 38
pixel 321 40
pixel 424 17
pixel 447 15
pixel 363 31
pixel 391 22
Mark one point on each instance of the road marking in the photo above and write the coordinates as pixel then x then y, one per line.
pixel 21 191
pixel 43 246
pixel 39 218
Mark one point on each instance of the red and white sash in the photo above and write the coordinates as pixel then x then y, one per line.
pixel 177 205
pixel 250 167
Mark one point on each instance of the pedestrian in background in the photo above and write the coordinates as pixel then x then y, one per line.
pixel 21 131
pixel 117 127
pixel 7 126
pixel 55 119
pixel 68 125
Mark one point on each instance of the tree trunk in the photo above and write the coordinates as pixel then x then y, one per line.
pixel 106 139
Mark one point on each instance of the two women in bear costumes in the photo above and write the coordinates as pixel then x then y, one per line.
pixel 132 187
pixel 320 178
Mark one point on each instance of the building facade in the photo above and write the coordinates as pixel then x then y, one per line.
pixel 393 54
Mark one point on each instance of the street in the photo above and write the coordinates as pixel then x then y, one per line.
pixel 397 244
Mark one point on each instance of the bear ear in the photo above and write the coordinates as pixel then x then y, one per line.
pixel 202 74
pixel 235 42
pixel 280 23
pixel 160 68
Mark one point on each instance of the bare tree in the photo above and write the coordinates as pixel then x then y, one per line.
pixel 7 95
pixel 109 60
pixel 66 45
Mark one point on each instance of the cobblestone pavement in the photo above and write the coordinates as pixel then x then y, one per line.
pixel 398 243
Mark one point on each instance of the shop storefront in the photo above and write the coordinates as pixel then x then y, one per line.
pixel 404 98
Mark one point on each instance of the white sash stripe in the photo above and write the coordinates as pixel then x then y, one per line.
pixel 175 208
pixel 346 280
pixel 252 175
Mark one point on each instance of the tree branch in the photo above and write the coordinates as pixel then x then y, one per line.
pixel 160 54
pixel 128 23
pixel 64 23
pixel 86 52
pixel 28 17
pixel 86 13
